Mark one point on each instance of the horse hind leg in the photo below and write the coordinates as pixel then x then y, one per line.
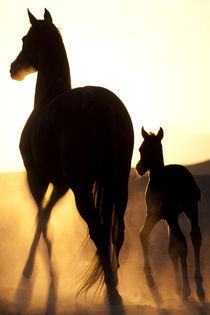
pixel 118 227
pixel 86 208
pixel 181 246
pixel 144 233
pixel 196 239
pixel 117 242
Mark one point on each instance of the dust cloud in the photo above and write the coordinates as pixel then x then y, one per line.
pixel 71 255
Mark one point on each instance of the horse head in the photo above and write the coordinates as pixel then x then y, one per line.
pixel 27 60
pixel 150 151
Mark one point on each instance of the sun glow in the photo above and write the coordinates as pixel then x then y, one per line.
pixel 158 66
pixel 19 99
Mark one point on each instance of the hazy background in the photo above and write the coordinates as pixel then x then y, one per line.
pixel 70 259
pixel 153 54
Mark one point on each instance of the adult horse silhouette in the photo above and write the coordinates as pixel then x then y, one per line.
pixel 79 139
pixel 171 190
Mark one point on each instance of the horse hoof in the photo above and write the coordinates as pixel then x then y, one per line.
pixel 150 281
pixel 112 297
pixel 186 292
pixel 178 289
pixel 27 273
pixel 201 294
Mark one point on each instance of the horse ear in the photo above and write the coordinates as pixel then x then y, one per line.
pixel 160 133
pixel 31 17
pixel 144 133
pixel 47 16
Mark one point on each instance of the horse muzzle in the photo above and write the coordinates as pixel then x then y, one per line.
pixel 18 72
pixel 21 67
pixel 140 170
pixel 15 71
pixel 12 71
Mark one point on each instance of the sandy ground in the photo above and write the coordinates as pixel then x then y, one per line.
pixel 188 307
pixel 71 258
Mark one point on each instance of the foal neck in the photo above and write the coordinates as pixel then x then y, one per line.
pixel 53 71
pixel 156 168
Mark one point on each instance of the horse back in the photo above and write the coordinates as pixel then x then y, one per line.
pixel 85 129
pixel 173 186
pixel 181 180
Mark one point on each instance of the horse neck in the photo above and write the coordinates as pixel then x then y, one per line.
pixel 155 170
pixel 53 74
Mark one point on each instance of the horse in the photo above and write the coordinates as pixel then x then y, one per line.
pixel 171 190
pixel 79 139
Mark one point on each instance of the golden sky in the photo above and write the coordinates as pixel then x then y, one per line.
pixel 154 54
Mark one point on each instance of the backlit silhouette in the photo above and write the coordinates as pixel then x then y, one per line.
pixel 171 190
pixel 80 139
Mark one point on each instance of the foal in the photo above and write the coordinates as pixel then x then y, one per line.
pixel 171 190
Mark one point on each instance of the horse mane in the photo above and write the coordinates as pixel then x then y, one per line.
pixel 52 38
pixel 54 31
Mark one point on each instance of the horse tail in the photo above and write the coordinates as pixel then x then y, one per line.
pixel 110 202
pixel 104 204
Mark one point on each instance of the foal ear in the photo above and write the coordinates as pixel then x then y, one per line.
pixel 31 17
pixel 47 16
pixel 144 133
pixel 160 133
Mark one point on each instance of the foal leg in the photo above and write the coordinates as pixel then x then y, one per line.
pixel 150 222
pixel 196 239
pixel 173 254
pixel 181 245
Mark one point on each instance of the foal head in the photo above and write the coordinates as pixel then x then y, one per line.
pixel 27 60
pixel 151 154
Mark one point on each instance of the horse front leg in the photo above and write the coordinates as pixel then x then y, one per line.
pixel 38 187
pixel 150 222
pixel 57 193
